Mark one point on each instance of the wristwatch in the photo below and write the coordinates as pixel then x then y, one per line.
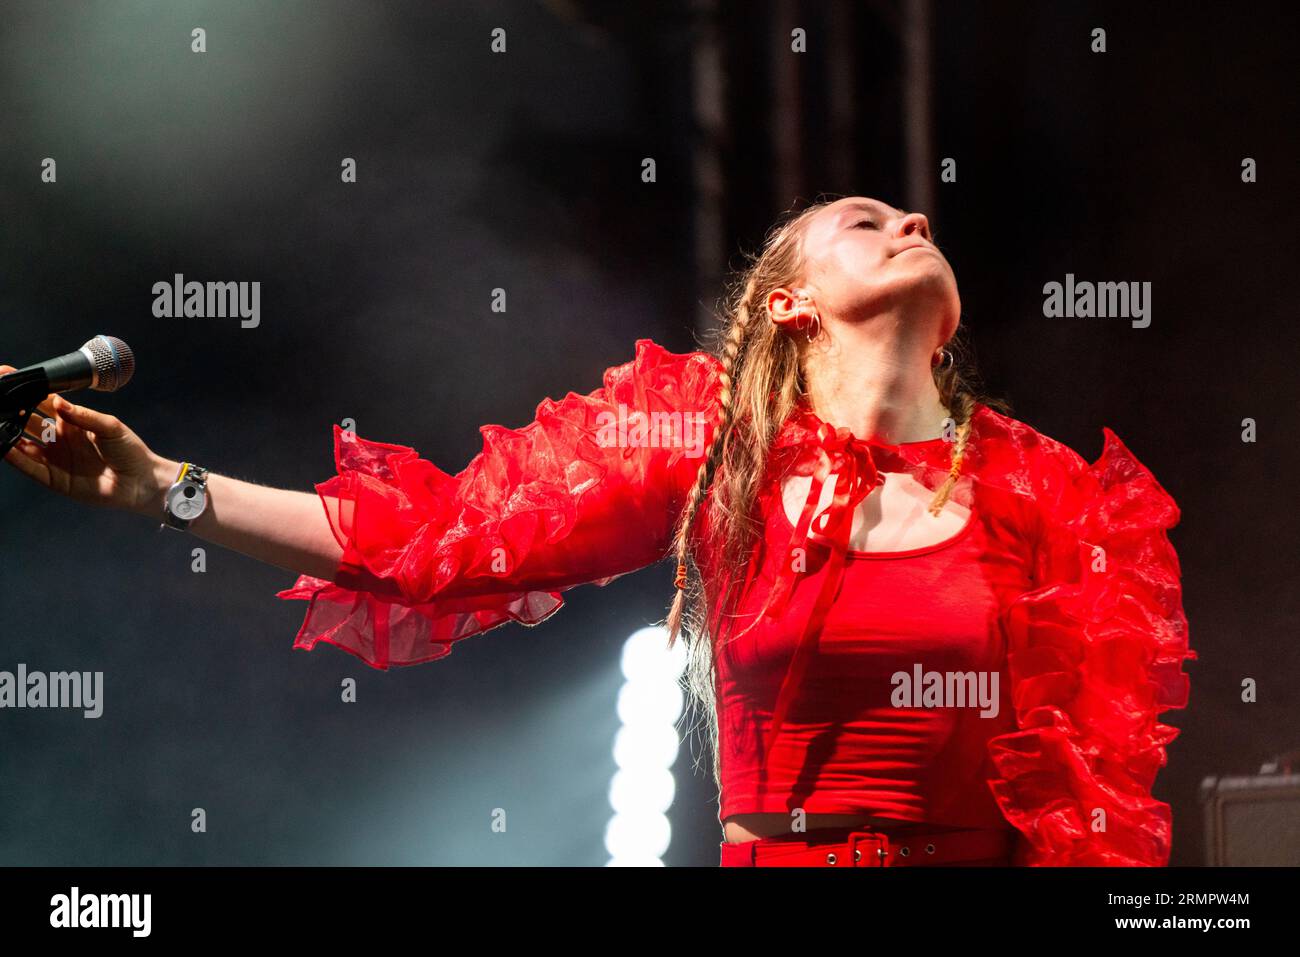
pixel 187 499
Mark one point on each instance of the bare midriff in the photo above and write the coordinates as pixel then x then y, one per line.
pixel 748 827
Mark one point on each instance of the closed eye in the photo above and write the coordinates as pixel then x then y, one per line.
pixel 865 222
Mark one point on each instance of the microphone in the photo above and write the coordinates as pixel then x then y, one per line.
pixel 104 363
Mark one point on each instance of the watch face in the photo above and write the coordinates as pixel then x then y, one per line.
pixel 186 501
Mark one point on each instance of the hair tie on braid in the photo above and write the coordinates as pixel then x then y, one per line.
pixel 954 471
pixel 681 577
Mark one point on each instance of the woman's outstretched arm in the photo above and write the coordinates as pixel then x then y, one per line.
pixel 274 525
pixel 97 459
pixel 400 559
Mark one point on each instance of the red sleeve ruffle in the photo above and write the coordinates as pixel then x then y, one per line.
pixel 588 491
pixel 1095 654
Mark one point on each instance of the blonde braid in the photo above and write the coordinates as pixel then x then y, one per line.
pixel 966 405
pixel 730 352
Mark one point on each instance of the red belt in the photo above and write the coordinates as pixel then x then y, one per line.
pixel 920 848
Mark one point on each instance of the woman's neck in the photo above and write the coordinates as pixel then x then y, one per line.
pixel 878 386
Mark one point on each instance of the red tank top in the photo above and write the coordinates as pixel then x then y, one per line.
pixel 861 736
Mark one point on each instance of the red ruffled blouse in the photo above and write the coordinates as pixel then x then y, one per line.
pixel 1059 601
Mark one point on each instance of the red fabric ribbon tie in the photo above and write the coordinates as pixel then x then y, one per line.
pixel 834 451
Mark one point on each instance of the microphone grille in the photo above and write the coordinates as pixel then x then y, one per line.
pixel 114 362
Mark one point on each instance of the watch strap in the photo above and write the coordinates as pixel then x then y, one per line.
pixel 193 473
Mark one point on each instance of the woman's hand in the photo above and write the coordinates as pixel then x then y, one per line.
pixel 93 458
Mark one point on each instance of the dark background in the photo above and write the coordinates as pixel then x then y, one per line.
pixel 522 171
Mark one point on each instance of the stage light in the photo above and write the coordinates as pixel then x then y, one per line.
pixel 646 745
pixel 645 749
pixel 648 701
pixel 646 655
pixel 644 789
pixel 638 836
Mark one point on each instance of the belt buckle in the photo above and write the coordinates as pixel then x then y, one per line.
pixel 868 849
